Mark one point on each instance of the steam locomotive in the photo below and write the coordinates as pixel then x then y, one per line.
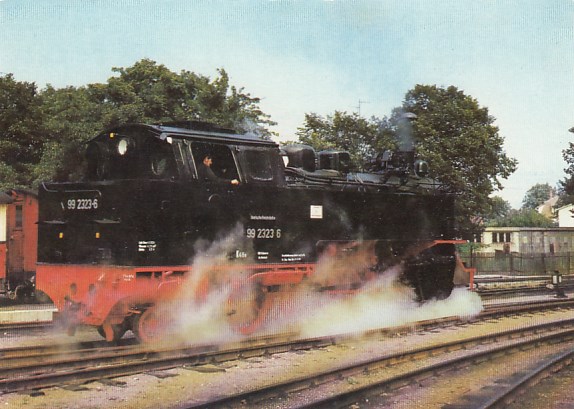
pixel 115 248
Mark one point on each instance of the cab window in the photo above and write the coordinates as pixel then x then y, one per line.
pixel 223 162
pixel 160 159
pixel 259 165
pixel 131 154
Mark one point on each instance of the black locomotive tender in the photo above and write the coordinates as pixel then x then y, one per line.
pixel 143 204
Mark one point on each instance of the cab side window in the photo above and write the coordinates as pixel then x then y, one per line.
pixel 260 165
pixel 160 159
pixel 223 163
pixel 113 156
pixel 130 154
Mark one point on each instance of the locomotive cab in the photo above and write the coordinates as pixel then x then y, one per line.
pixel 140 182
pixel 163 152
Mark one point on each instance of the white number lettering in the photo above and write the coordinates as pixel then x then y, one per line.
pixel 82 204
pixel 252 233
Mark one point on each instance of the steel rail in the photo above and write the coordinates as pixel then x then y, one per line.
pixel 509 394
pixel 404 379
pixel 111 365
pixel 347 398
pixel 25 325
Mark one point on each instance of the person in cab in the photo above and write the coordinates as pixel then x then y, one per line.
pixel 204 172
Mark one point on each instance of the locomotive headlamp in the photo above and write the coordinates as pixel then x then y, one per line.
pixel 123 145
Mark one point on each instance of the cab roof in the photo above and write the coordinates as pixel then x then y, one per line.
pixel 193 130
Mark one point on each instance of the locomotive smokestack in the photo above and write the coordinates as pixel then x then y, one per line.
pixel 405 132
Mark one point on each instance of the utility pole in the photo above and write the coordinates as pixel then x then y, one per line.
pixel 359 106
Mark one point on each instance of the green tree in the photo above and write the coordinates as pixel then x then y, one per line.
pixel 499 210
pixel 566 186
pixel 150 92
pixel 537 195
pixel 462 145
pixel 523 218
pixel 362 138
pixel 21 135
pixel 71 116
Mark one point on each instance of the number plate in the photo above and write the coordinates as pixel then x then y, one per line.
pixel 81 202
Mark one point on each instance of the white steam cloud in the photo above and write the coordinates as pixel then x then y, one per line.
pixel 217 302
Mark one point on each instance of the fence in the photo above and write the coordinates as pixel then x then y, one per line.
pixel 520 263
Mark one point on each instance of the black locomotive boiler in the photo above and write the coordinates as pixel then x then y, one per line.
pixel 115 245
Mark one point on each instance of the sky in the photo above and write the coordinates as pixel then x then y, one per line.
pixel 516 58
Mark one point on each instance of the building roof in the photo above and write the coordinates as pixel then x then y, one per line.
pixel 519 229
pixel 570 205
pixel 545 208
pixel 5 198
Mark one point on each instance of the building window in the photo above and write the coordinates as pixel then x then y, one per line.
pixel 3 223
pixel 19 217
pixel 501 237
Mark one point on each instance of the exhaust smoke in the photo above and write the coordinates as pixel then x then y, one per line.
pixel 217 302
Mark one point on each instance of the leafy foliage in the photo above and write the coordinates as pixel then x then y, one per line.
pixel 20 129
pixel 361 137
pixel 499 210
pixel 502 214
pixel 43 132
pixel 566 186
pixel 149 92
pixel 537 195
pixel 523 218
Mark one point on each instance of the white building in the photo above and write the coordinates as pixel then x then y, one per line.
pixel 566 216
pixel 551 240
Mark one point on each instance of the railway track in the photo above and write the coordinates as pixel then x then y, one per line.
pixel 31 368
pixel 26 369
pixel 520 291
pixel 515 389
pixel 495 287
pixel 307 391
pixel 24 325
